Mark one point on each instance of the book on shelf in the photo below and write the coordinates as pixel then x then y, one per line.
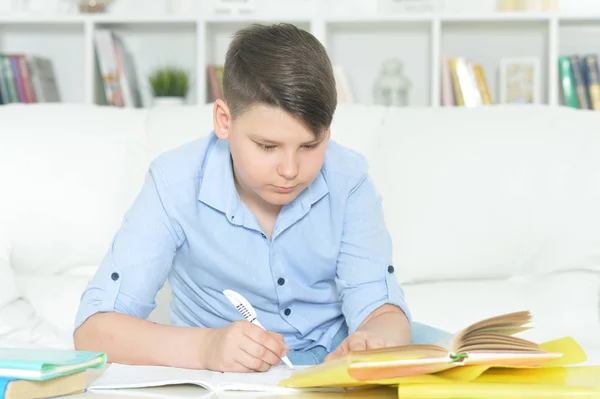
pixel 491 342
pixel 27 78
pixel 579 82
pixel 117 70
pixel 464 83
pixel 215 82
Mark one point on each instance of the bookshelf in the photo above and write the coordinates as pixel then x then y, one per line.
pixel 356 42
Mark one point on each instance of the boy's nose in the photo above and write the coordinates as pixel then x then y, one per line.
pixel 288 168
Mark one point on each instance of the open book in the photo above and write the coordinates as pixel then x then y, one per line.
pixel 488 342
pixel 121 376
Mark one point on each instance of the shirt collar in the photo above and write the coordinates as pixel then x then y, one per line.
pixel 217 188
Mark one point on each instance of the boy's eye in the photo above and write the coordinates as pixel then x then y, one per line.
pixel 265 147
pixel 310 146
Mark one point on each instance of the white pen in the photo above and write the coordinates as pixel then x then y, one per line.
pixel 247 311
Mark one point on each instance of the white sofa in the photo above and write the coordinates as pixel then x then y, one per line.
pixel 491 209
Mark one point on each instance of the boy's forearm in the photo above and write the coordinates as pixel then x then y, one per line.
pixel 130 340
pixel 389 320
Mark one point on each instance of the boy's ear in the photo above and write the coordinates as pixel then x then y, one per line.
pixel 221 119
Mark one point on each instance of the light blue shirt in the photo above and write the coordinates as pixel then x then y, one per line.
pixel 329 259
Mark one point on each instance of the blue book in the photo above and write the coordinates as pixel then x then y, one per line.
pixel 44 364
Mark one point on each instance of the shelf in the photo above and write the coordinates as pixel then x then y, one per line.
pixel 370 19
pixel 64 44
pixel 358 42
pixel 488 43
pixel 236 19
pixel 351 47
pixel 172 20
pixel 500 17
pixel 53 20
pixel 331 19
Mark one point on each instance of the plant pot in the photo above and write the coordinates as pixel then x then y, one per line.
pixel 168 101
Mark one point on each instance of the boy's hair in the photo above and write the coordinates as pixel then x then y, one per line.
pixel 283 66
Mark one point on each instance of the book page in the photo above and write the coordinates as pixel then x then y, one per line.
pixel 496 334
pixel 120 376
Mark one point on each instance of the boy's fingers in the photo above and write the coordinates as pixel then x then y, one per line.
pixel 252 363
pixel 357 344
pixel 279 338
pixel 261 352
pixel 341 350
pixel 333 355
pixel 375 343
pixel 267 340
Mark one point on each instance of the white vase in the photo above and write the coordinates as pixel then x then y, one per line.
pixel 168 101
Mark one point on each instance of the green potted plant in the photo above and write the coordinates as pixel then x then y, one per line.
pixel 169 85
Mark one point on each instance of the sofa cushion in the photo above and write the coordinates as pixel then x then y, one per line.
pixel 562 304
pixel 22 327
pixel 490 192
pixel 65 292
pixel 74 172
pixel 8 286
pixel 171 127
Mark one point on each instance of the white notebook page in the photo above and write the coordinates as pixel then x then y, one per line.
pixel 120 376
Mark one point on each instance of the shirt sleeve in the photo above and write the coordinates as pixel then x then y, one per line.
pixel 138 260
pixel 366 278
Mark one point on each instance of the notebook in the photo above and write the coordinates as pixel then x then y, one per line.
pixel 44 364
pixel 121 376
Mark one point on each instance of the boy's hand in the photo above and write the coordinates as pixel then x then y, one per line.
pixel 242 347
pixel 360 340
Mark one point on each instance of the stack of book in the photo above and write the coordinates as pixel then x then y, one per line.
pixel 579 81
pixel 45 373
pixel 27 79
pixel 117 70
pixel 464 83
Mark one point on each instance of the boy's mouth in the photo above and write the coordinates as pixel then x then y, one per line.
pixel 284 189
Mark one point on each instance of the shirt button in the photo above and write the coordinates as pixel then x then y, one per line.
pixel 287 312
pixel 390 269
pixel 114 276
pixel 263 235
pixel 281 281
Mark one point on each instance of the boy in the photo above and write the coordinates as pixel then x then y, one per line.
pixel 266 206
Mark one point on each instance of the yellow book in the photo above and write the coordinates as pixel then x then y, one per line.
pixel 463 357
pixel 476 390
pixel 482 85
pixel 460 101
pixel 32 389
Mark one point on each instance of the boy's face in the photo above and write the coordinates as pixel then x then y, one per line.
pixel 275 156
